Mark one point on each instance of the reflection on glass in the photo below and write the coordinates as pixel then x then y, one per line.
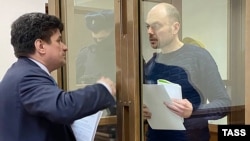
pixel 98 58
pixel 92 52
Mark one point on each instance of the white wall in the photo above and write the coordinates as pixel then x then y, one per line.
pixel 208 24
pixel 9 11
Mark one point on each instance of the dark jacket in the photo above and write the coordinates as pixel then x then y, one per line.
pixel 33 108
pixel 96 60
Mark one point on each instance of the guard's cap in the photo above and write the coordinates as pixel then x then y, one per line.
pixel 99 20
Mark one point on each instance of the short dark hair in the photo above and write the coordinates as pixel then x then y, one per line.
pixel 99 20
pixel 30 27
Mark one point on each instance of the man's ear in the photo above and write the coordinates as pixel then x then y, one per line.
pixel 39 45
pixel 176 27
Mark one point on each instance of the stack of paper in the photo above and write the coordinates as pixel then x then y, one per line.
pixel 153 97
pixel 85 128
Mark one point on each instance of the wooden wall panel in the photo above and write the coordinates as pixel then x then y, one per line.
pixel 247 62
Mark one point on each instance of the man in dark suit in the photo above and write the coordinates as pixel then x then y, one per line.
pixel 32 106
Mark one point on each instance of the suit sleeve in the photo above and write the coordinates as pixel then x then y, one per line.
pixel 41 97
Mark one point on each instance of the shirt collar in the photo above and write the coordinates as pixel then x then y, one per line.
pixel 40 65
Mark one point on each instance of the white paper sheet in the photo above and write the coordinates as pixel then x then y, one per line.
pixel 162 118
pixel 85 128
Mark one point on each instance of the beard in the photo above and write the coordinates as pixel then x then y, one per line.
pixel 154 42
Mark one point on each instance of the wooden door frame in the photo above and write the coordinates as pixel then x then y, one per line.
pixel 128 74
pixel 238 61
pixel 247 61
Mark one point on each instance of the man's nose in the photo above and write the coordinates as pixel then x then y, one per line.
pixel 150 30
pixel 64 47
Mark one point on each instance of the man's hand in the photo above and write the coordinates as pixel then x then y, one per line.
pixel 109 84
pixel 181 107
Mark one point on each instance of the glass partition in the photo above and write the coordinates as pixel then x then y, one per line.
pixel 209 26
pixel 91 54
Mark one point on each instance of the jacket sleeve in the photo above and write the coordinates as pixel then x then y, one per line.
pixel 41 97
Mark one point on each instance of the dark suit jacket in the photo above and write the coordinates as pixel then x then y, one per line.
pixel 33 108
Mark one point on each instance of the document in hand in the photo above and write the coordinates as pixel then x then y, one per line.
pixel 162 118
pixel 172 89
pixel 85 128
